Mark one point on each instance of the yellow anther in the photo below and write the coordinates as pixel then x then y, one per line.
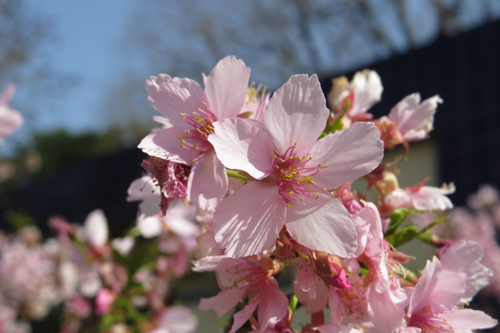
pixel 325 189
pixel 303 204
pixel 301 199
pixel 288 205
pixel 326 165
pixel 291 193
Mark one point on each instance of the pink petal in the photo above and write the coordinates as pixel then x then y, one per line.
pixel 231 270
pixel 322 224
pixel 207 182
pixel 399 199
pixel 10 120
pixel 149 226
pixel 141 189
pixel 249 220
pixel 178 319
pixel 448 291
pixel 96 228
pixel 7 94
pixel 433 198
pixel 171 97
pixel 165 144
pixel 223 301
pixel 414 119
pixel 208 264
pixel 226 87
pixel 387 309
pixel 180 219
pixel 150 206
pixel 243 144
pixel 367 91
pixel 272 307
pixel 469 319
pixel 310 290
pixel 296 113
pixel 463 257
pixel 437 288
pixel 349 154
pixel 241 317
pixel 426 284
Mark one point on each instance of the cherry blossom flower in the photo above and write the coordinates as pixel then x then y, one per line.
pixel 464 258
pixel 436 300
pixel 421 197
pixel 190 112
pixel 170 177
pixel 240 277
pixel 177 319
pixel 408 121
pixel 104 301
pixel 10 119
pixel 364 90
pixel 295 172
pixel 385 298
pixel 95 229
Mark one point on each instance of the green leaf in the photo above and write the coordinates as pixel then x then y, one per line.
pixel 18 220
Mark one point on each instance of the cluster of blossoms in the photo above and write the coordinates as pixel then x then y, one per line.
pixel 270 180
pixel 479 223
pixel 254 186
pixel 94 283
pixel 83 281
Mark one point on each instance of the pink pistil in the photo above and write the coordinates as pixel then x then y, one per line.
pixel 293 174
pixel 430 322
pixel 201 122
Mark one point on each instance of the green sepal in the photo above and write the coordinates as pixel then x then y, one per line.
pixel 292 305
pixel 237 174
pixel 245 115
pixel 403 235
pixel 336 125
pixel 397 217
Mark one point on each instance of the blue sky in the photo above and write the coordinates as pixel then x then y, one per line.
pixel 87 33
pixel 90 36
